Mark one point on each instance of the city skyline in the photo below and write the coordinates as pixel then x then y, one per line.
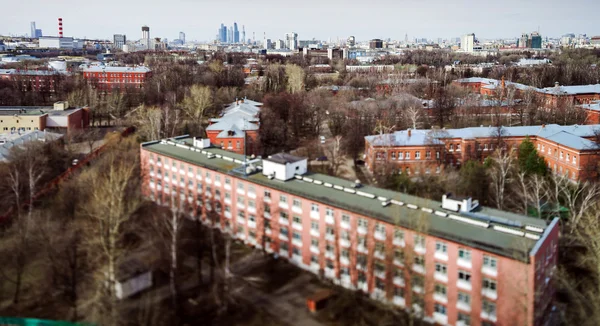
pixel 509 20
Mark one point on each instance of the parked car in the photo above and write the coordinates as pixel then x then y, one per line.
pixel 322 139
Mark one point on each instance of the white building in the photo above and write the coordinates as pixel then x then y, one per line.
pixel 267 43
pixel 467 42
pixel 291 41
pixel 279 44
pixel 54 42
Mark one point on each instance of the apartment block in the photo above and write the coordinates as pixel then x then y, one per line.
pixel 571 151
pixel 110 77
pixel 454 261
pixel 59 118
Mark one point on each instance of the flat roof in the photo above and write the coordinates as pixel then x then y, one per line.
pixel 35 110
pixel 499 232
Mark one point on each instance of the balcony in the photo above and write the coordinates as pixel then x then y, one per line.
pixel 208 181
pixel 284 221
pixel 152 185
pixel 441 256
pixel 267 199
pixel 361 267
pixel 268 231
pixel 239 191
pixel 346 280
pixel 297 226
pixel 399 301
pixel 399 242
pixel 241 220
pixel 463 306
pixel 329 255
pixel 329 272
pixel 297 209
pixel 159 187
pixel 417 289
pixel 228 201
pixel 267 214
pixel 345 225
pixel 464 263
pixel 398 262
pixel 315 215
pixel 190 175
pixel 398 281
pixel 420 249
pixel 330 237
pixel 283 205
pixel 491 294
pixel 227 214
pixel 345 243
pixel 379 255
pixel 314 250
pixel 251 209
pixel 488 316
pixel 379 236
pixel 283 253
pixel 361 230
pixel 344 261
pixel 489 271
pixel 462 284
pixel 181 172
pixel 329 219
pixel 240 206
pixel 252 195
pixel 252 224
pixel 362 249
pixel 297 259
pixel 363 286
pixel 440 298
pixel 297 242
pixel 315 267
pixel 227 186
pixel 440 318
pixel 174 169
pixel 440 277
pixel 198 177
pixel 378 293
pixel 166 179
pixel 283 237
pixel 419 268
pixel 314 233
pixel 380 274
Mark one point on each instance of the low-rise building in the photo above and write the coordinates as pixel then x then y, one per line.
pixel 59 118
pixel 33 80
pixel 237 129
pixel 111 77
pixel 453 262
pixel 571 151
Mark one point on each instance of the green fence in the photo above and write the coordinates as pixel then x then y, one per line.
pixel 13 321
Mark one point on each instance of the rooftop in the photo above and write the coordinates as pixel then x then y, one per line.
pixel 101 68
pixel 35 110
pixel 491 230
pixel 284 158
pixel 28 72
pixel 569 136
pixel 8 141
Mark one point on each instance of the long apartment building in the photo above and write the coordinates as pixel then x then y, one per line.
pixel 455 262
pixel 571 151
pixel 110 77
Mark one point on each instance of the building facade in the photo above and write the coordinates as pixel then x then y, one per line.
pixel 571 151
pixel 59 118
pixel 33 80
pixel 109 77
pixel 237 129
pixel 454 262
pixel 119 40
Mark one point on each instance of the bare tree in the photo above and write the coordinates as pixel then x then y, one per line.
pixel 295 78
pixel 501 173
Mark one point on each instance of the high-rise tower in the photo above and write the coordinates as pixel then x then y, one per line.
pixel 236 33
pixel 32 35
pixel 146 37
pixel 243 34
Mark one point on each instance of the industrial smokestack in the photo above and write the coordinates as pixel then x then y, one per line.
pixel 60 28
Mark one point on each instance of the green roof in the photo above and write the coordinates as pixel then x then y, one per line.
pixel 401 209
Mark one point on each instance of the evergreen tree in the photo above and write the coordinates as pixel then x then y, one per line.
pixel 530 161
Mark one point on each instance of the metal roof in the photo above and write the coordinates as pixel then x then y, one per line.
pixel 488 229
pixel 109 69
pixel 569 136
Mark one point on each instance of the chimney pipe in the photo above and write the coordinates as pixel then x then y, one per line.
pixel 60 28
pixel 409 132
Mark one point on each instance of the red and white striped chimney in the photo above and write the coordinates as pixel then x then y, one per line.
pixel 60 30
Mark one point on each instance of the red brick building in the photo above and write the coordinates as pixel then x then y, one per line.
pixel 237 129
pixel 108 77
pixel 455 262
pixel 33 80
pixel 568 150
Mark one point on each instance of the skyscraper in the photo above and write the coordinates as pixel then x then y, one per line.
pixel 243 34
pixel 32 35
pixel 118 41
pixel 467 42
pixel 223 34
pixel 230 35
pixel 146 37
pixel 535 40
pixel 291 41
pixel 182 37
pixel 236 33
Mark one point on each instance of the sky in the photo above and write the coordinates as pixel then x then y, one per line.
pixel 319 19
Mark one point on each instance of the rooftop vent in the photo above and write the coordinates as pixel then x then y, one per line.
pixel 201 143
pixel 357 184
pixel 459 204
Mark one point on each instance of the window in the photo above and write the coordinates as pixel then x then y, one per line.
pixel 399 292
pixel 428 155
pixel 267 209
pixel 417 281
pixel 329 212
pixel 417 155
pixel 314 259
pixel 314 226
pixel 240 200
pixel 345 235
pixel 379 267
pixel 267 224
pixel 283 215
pixel 267 195
pixel 440 289
pixel 441 268
pixel 437 155
pixel 283 199
pixel 399 255
pixel 419 241
pixel 464 276
pixel 408 155
pixel 297 203
pixel 441 247
pixel 362 222
pixel 393 155
pixel 420 260
pixel 251 189
pixel 490 262
pixel 284 231
pixel 251 204
pixel 489 284
pixel 400 155
pixel 485 147
pixel 458 147
pixel 345 253
pixel 314 208
pixel 314 242
pixel 297 219
pixel 451 148
pixel 489 308
pixel 380 228
pixel 362 241
pixel 240 186
pixel 464 254
pixel 464 298
pixel 574 159
pixel 346 218
pixel 398 235
pixel 297 236
pixel 438 308
pixel 379 247
pixel 464 318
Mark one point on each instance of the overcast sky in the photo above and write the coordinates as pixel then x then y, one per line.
pixel 320 19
